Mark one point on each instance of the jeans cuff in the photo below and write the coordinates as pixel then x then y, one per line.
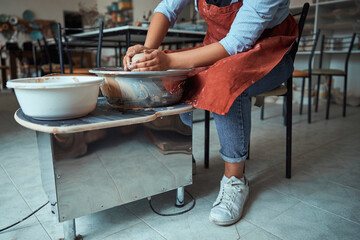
pixel 233 160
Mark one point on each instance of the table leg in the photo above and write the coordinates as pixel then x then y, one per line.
pixel 180 194
pixel 128 39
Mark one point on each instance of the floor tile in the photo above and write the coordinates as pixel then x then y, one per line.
pixel 192 225
pixel 92 227
pixel 26 233
pixel 264 204
pixel 260 234
pixel 13 208
pixel 338 199
pixel 307 222
pixel 135 232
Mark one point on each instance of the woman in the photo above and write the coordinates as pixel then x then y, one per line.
pixel 244 53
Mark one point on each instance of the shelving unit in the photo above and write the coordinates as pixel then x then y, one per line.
pixel 335 18
pixel 122 16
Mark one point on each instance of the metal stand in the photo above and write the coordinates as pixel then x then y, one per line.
pixel 69 230
pixel 180 194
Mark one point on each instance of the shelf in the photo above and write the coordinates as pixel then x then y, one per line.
pixel 299 7
pixel 327 52
pixel 337 3
pixel 335 26
pixel 121 10
pixel 340 13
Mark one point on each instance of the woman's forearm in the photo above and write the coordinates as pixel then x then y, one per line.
pixel 157 30
pixel 198 57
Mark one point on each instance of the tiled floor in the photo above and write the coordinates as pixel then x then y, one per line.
pixel 320 201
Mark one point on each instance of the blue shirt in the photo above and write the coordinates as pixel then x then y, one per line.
pixel 251 20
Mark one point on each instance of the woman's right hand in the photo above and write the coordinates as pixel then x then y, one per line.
pixel 130 53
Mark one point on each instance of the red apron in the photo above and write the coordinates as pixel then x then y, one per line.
pixel 216 88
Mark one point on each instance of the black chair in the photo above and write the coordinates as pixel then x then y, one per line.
pixel 29 59
pixel 69 43
pixel 49 61
pixel 309 42
pixel 334 44
pixel 279 90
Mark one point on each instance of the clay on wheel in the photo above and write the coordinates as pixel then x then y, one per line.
pixel 138 56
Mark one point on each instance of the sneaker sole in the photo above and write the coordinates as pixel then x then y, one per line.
pixel 229 222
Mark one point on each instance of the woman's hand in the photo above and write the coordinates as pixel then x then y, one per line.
pixel 153 60
pixel 130 53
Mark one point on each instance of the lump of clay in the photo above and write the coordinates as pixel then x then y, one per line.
pixel 136 57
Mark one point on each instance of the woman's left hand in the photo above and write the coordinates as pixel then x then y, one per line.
pixel 154 60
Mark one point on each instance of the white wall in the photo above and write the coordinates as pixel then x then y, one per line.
pixel 43 9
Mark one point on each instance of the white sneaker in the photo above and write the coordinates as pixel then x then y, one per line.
pixel 230 202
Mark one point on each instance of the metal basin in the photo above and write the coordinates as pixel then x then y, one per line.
pixel 129 90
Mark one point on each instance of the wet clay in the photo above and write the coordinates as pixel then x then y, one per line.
pixel 137 57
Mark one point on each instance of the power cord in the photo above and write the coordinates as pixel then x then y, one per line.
pixel 152 208
pixel 1 230
pixel 177 213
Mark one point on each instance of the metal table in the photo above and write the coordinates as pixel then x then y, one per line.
pixel 132 34
pixel 110 158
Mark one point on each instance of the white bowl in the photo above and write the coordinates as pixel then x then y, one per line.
pixel 56 97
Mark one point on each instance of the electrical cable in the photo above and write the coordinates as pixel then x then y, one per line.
pixel 24 218
pixel 177 213
pixel 152 208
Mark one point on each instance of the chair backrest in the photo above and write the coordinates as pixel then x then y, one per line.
pixel 337 43
pixel 312 42
pixel 70 44
pixel 301 23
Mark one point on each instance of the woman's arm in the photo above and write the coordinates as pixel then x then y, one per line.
pixel 157 60
pixel 157 30
pixel 165 16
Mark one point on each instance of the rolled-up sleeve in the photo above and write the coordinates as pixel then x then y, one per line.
pixel 251 20
pixel 171 9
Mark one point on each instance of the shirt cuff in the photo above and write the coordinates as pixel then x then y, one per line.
pixel 171 16
pixel 232 45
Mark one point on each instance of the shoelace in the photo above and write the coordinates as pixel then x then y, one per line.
pixel 226 198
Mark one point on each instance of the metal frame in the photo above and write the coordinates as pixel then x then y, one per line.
pixel 65 170
pixel 314 41
pixel 350 45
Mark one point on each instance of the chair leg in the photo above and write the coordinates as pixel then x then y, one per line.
pixel 344 101
pixel 207 139
pixel 309 103
pixel 302 95
pixel 284 110
pixel 248 157
pixel 289 127
pixel 328 97
pixel 262 110
pixel 317 94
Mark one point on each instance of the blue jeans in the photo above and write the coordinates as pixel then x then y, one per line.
pixel 234 127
